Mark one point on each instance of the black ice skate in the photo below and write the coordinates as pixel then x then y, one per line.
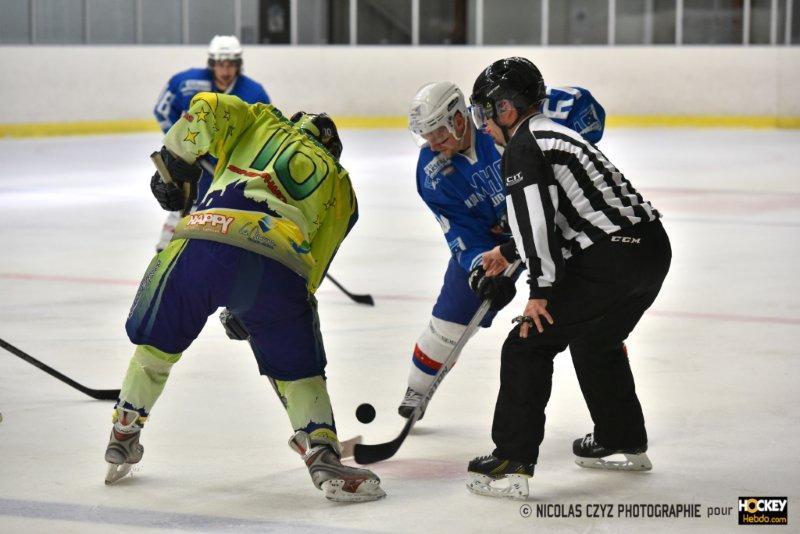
pixel 589 453
pixel 411 400
pixel 485 470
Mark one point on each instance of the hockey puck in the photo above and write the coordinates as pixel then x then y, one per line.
pixel 365 413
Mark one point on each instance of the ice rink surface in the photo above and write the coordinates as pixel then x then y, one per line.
pixel 715 359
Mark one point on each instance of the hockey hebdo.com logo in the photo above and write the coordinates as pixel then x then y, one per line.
pixel 763 510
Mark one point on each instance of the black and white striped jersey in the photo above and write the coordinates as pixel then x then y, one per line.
pixel 563 195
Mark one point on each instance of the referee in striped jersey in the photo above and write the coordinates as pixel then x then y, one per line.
pixel 596 255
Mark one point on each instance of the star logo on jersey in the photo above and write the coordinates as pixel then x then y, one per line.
pixel 227 115
pixel 329 204
pixel 230 130
pixel 201 116
pixel 191 137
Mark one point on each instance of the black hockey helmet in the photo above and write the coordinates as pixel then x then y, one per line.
pixel 515 79
pixel 322 128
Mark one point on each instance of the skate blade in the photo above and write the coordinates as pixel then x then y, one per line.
pixel 517 488
pixel 116 472
pixel 632 462
pixel 368 490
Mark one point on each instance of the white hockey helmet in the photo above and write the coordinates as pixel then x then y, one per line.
pixel 435 105
pixel 224 48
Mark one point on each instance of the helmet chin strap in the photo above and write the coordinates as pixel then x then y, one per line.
pixel 503 129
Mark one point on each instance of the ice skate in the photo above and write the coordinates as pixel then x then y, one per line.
pixel 589 453
pixel 124 448
pixel 341 483
pixel 486 471
pixel 411 400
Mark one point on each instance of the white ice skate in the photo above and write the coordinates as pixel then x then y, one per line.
pixel 340 483
pixel 589 453
pixel 124 448
pixel 494 477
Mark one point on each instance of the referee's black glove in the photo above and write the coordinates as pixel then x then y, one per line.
pixel 500 290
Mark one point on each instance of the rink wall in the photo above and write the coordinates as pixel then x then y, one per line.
pixel 50 90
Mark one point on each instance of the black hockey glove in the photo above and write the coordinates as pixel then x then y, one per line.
pixel 170 192
pixel 233 326
pixel 500 290
pixel 169 196
pixel 180 171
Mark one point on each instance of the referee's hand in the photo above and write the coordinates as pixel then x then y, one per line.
pixel 535 309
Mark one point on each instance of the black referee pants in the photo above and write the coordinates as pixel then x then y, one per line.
pixel 606 289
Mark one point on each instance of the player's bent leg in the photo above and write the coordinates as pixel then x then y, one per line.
pixel 281 318
pixel 308 406
pixel 182 286
pixel 147 373
pixel 454 308
pixel 431 350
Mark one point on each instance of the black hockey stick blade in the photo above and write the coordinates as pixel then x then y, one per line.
pixel 361 299
pixel 369 454
pixel 99 394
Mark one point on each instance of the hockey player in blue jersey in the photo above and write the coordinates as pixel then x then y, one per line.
pixel 459 178
pixel 222 75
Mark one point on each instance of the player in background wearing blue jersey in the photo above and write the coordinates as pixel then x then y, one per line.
pixel 459 178
pixel 222 75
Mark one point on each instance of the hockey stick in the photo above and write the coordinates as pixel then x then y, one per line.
pixel 166 177
pixel 361 299
pixel 368 454
pixel 99 394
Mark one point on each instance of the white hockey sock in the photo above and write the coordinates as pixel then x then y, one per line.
pixel 432 349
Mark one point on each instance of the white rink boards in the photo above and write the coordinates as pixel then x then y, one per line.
pixel 715 359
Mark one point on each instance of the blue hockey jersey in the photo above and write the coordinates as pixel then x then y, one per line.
pixel 466 192
pixel 182 87
pixel 576 108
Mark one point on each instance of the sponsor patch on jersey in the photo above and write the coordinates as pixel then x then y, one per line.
pixel 210 222
pixel 588 121
pixel 251 232
pixel 431 183
pixel 267 177
pixel 190 87
pixel 436 165
pixel 514 179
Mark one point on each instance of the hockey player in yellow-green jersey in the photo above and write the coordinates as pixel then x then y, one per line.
pixel 276 191
pixel 278 208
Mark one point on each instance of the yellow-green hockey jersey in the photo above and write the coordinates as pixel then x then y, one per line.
pixel 276 191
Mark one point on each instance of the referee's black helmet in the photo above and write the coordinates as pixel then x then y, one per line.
pixel 515 79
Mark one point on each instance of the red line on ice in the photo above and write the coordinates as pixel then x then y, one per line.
pixel 73 279
pixel 661 313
